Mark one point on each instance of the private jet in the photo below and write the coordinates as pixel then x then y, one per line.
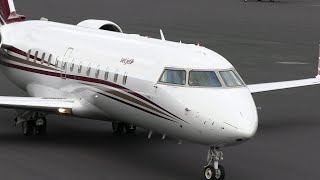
pixel 94 70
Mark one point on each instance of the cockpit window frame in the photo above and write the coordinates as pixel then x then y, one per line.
pixel 217 72
pixel 234 71
pixel 197 70
pixel 172 84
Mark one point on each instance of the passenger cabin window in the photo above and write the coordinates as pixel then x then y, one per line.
pixel 124 80
pixel 28 55
pixel 97 71
pixel 106 74
pixel 203 79
pixel 49 59
pixel 89 70
pixel 171 76
pixel 231 79
pixel 64 66
pixel 72 66
pixel 35 56
pixel 115 78
pixel 42 57
pixel 57 62
pixel 80 68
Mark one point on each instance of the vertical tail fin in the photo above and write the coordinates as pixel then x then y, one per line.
pixel 8 12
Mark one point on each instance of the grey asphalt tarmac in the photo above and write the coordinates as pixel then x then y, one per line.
pixel 264 41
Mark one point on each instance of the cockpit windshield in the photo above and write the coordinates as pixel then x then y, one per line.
pixel 231 79
pixel 204 79
pixel 173 77
pixel 201 78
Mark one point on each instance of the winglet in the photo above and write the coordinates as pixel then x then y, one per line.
pixel 162 36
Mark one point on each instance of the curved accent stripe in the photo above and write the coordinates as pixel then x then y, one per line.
pixel 22 53
pixel 98 81
pixel 134 106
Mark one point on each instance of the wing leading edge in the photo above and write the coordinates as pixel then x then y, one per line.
pixel 256 88
pixel 263 87
pixel 52 105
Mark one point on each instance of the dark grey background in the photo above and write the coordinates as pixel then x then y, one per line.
pixel 253 36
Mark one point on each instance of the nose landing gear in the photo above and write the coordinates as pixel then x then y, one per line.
pixel 214 171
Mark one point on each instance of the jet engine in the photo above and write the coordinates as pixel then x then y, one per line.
pixel 100 24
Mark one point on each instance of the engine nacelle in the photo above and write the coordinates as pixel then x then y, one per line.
pixel 100 24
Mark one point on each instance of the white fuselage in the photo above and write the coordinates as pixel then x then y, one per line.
pixel 114 77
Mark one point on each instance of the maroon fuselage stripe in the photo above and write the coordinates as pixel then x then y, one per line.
pixel 22 53
pixel 136 107
pixel 99 81
pixel 58 75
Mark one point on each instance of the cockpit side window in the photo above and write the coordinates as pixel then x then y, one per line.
pixel 231 79
pixel 171 76
pixel 204 79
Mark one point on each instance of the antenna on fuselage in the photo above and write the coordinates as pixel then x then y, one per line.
pixel 162 36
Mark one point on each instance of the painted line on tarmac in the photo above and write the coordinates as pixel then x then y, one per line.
pixel 292 63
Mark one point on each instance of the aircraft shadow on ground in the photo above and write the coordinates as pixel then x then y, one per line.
pixel 133 150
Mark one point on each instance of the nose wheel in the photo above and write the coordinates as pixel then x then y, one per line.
pixel 214 171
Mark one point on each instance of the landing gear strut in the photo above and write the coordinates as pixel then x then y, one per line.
pixel 214 171
pixel 119 127
pixel 36 123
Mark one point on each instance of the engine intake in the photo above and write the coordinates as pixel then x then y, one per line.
pixel 100 24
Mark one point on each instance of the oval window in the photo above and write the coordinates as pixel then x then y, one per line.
pixel 97 71
pixel 28 55
pixel 89 70
pixel 80 68
pixel 72 65
pixel 42 58
pixel 125 77
pixel 115 78
pixel 57 62
pixel 35 56
pixel 49 59
pixel 64 66
pixel 106 74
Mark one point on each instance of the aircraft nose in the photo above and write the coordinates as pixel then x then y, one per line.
pixel 248 132
pixel 248 125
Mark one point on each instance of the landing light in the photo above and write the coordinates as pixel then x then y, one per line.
pixel 64 111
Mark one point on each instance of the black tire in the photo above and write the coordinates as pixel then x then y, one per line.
pixel 211 174
pixel 28 128
pixel 130 129
pixel 118 127
pixel 41 130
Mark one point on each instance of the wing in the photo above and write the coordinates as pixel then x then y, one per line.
pixel 52 105
pixel 256 88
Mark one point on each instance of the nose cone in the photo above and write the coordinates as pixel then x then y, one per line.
pixel 248 129
pixel 248 118
pixel 242 115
